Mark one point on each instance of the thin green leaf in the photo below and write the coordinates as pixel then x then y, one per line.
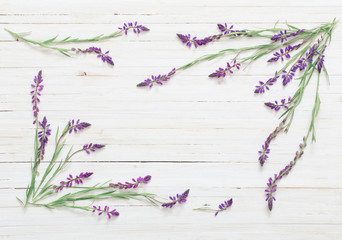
pixel 50 40
pixel 65 39
pixel 63 52
pixel 293 27
pixel 56 138
pixel 97 37
pixel 326 74
pixel 318 106
pixel 27 190
pixel 21 202
pixel 276 23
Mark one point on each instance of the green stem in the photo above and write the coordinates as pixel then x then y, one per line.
pixel 47 185
pixel 263 49
pixel 64 51
pixel 34 166
pixel 311 129
pixel 86 195
pixel 61 50
pixel 95 39
pixel 56 153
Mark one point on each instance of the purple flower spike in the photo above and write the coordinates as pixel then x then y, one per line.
pixel 266 147
pixel 178 198
pixel 277 106
pixel 301 65
pixel 320 61
pixel 261 88
pixel 226 30
pixel 283 53
pixel 92 147
pixel 157 79
pixel 188 41
pixel 271 185
pixel 282 36
pixel 288 76
pixel 224 206
pixel 221 72
pixel 36 93
pixel 104 56
pixel 272 188
pixel 106 211
pixel 134 184
pixel 77 125
pixel 78 180
pixel 136 28
pixel 43 138
pixel 303 62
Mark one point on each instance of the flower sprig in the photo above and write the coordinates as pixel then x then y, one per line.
pixel 221 207
pixel 41 190
pixel 37 88
pixel 52 42
pixel 302 40
pixel 106 211
pixel 179 198
pixel 288 116
pixel 282 104
pixel 228 32
pixel 70 180
pixel 222 72
pixel 134 184
pixel 307 57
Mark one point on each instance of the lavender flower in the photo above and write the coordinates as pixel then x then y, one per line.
pixel 77 125
pixel 106 211
pixel 288 76
pixel 320 60
pixel 277 106
pixel 36 93
pixel 272 188
pixel 78 180
pixel 43 138
pixel 223 206
pixel 271 185
pixel 301 65
pixel 261 88
pixel 92 147
pixel 157 79
pixel 283 52
pixel 282 36
pixel 104 56
pixel 136 28
pixel 303 62
pixel 128 185
pixel 221 72
pixel 188 41
pixel 226 30
pixel 178 198
pixel 265 148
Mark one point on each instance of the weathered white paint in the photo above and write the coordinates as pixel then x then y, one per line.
pixel 195 133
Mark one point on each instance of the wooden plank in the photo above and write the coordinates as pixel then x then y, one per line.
pixel 196 132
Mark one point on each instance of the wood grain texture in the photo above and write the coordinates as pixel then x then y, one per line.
pixel 195 133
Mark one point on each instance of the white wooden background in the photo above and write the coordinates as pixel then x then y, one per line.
pixel 195 133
